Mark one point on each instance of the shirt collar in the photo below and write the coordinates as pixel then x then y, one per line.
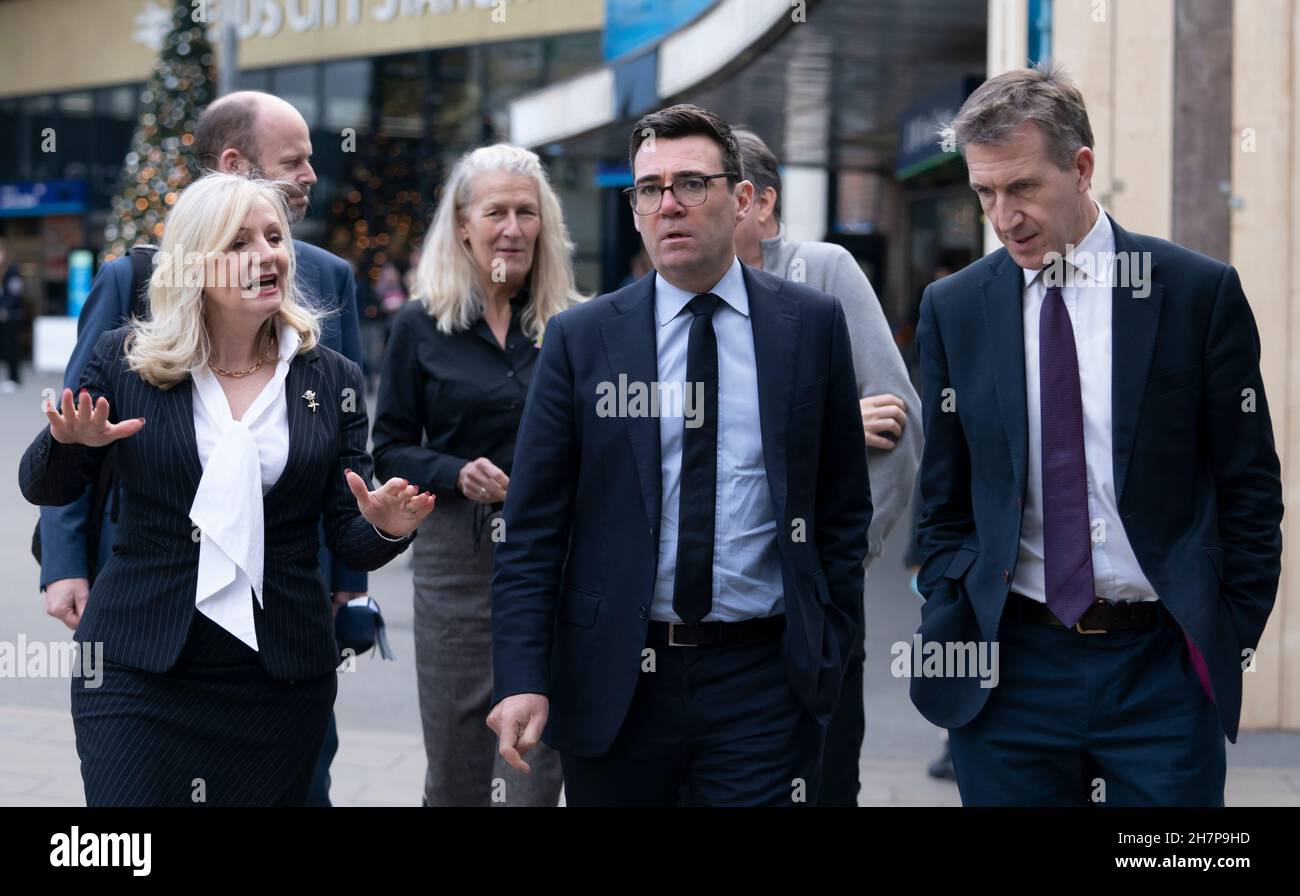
pixel 1098 246
pixel 670 299
pixel 288 340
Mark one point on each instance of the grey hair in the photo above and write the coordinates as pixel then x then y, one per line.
pixel 1043 95
pixel 759 164
pixel 447 276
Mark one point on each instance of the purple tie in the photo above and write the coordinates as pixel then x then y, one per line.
pixel 1067 545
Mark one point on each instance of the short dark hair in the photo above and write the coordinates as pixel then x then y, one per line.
pixel 686 120
pixel 227 124
pixel 759 164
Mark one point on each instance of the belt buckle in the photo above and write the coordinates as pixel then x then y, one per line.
pixel 672 635
pixel 1078 625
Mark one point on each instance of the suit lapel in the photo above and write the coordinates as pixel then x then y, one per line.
pixel 1001 295
pixel 631 346
pixel 300 378
pixel 774 318
pixel 1134 321
pixel 177 412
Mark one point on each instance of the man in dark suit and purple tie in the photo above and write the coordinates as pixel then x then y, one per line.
pixel 1101 496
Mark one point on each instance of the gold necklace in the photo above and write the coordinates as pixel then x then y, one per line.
pixel 236 374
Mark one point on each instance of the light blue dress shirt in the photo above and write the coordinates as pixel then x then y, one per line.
pixel 746 564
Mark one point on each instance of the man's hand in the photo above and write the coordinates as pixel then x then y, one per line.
pixel 65 600
pixel 519 721
pixel 883 414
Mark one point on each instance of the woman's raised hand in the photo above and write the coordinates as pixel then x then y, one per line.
pixel 84 423
pixel 396 508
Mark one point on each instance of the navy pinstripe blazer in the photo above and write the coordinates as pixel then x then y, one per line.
pixel 142 602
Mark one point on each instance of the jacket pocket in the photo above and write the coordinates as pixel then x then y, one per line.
pixel 297 549
pixel 1175 380
pixel 127 534
pixel 579 607
pixel 821 588
pixel 807 394
pixel 1215 556
pixel 960 563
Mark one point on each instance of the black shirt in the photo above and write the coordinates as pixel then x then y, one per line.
pixel 447 399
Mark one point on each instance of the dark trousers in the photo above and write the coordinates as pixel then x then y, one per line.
pixel 9 348
pixel 710 726
pixel 841 760
pixel 1115 719
pixel 319 795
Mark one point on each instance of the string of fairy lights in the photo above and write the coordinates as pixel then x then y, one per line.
pixel 159 163
pixel 384 205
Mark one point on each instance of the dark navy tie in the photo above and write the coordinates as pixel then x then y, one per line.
pixel 1067 545
pixel 693 583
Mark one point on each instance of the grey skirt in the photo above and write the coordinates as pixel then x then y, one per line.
pixel 453 659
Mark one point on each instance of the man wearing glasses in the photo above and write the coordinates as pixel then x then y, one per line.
pixel 680 585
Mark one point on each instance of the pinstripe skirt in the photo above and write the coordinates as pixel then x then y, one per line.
pixel 213 730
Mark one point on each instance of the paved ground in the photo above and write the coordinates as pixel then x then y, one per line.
pixel 381 759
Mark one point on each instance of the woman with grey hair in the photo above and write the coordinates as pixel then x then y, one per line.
pixel 495 267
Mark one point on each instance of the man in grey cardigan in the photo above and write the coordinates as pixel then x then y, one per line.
pixel 888 399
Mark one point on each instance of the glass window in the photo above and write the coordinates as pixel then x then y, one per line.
pixel 347 95
pixel 569 54
pixel 402 83
pixel 255 80
pixel 297 87
pixel 38 105
pixel 117 102
pixel 514 68
pixel 81 103
pixel 458 100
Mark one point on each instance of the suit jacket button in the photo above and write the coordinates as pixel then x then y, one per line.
pixel 1006 575
pixel 643 614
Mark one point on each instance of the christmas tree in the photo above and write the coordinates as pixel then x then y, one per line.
pixel 159 163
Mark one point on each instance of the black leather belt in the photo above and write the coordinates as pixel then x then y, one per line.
pixel 711 634
pixel 1102 617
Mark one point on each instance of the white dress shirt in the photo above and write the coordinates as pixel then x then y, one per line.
pixel 747 579
pixel 1087 294
pixel 242 459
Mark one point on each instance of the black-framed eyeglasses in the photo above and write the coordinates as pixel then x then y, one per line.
pixel 688 191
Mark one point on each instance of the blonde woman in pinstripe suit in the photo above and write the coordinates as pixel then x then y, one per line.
pixel 235 432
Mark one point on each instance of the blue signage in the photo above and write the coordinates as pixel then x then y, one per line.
pixel 921 142
pixel 42 197
pixel 633 24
